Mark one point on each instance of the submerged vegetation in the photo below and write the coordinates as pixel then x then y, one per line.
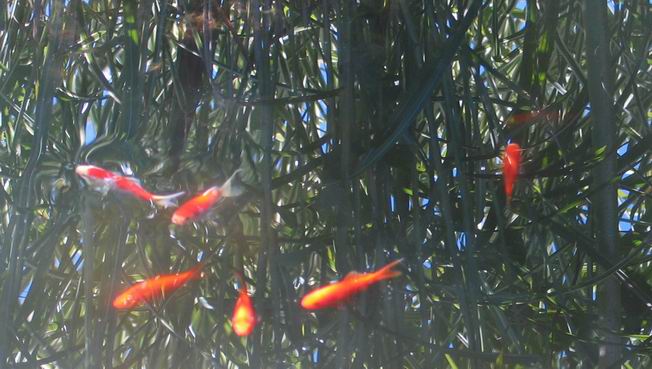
pixel 365 132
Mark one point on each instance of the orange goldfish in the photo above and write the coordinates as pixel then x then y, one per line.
pixel 336 293
pixel 529 116
pixel 155 287
pixel 511 164
pixel 200 204
pixel 103 180
pixel 244 318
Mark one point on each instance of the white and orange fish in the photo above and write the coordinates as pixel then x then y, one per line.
pixel 202 203
pixel 103 180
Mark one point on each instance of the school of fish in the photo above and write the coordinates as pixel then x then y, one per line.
pixel 244 318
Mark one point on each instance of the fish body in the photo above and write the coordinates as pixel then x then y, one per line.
pixel 336 293
pixel 511 165
pixel 155 287
pixel 202 203
pixel 104 180
pixel 98 178
pixel 94 172
pixel 244 318
pixel 529 116
pixel 132 187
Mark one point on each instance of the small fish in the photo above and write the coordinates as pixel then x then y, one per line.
pixel 200 204
pixel 244 318
pixel 529 116
pixel 336 293
pixel 511 164
pixel 104 180
pixel 160 285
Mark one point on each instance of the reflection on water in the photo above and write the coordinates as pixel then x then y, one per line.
pixel 234 184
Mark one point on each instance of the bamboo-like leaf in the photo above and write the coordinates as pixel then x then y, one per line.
pixel 365 132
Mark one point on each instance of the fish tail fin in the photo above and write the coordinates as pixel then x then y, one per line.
pixel 228 24
pixel 165 201
pixel 387 271
pixel 508 187
pixel 243 282
pixel 232 187
pixel 241 279
pixel 195 272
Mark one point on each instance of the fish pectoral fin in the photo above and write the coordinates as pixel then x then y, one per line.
pixel 103 189
pixel 346 304
pixel 166 201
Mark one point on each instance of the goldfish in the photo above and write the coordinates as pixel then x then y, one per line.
pixel 200 204
pixel 336 293
pixel 155 287
pixel 244 318
pixel 104 180
pixel 511 164
pixel 529 116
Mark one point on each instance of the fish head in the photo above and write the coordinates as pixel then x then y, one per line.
pixel 179 219
pixel 96 177
pixel 321 297
pixel 244 319
pixel 243 328
pixel 310 302
pixel 84 171
pixel 125 301
pixel 512 158
pixel 513 150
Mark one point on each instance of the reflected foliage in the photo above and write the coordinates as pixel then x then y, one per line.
pixel 366 132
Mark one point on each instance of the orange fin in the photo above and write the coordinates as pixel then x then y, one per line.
pixel 386 272
pixel 209 190
pixel 232 188
pixel 196 271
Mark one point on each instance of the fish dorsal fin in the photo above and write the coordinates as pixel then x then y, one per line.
pixel 126 169
pixel 103 188
pixel 352 275
pixel 208 191
pixel 134 179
